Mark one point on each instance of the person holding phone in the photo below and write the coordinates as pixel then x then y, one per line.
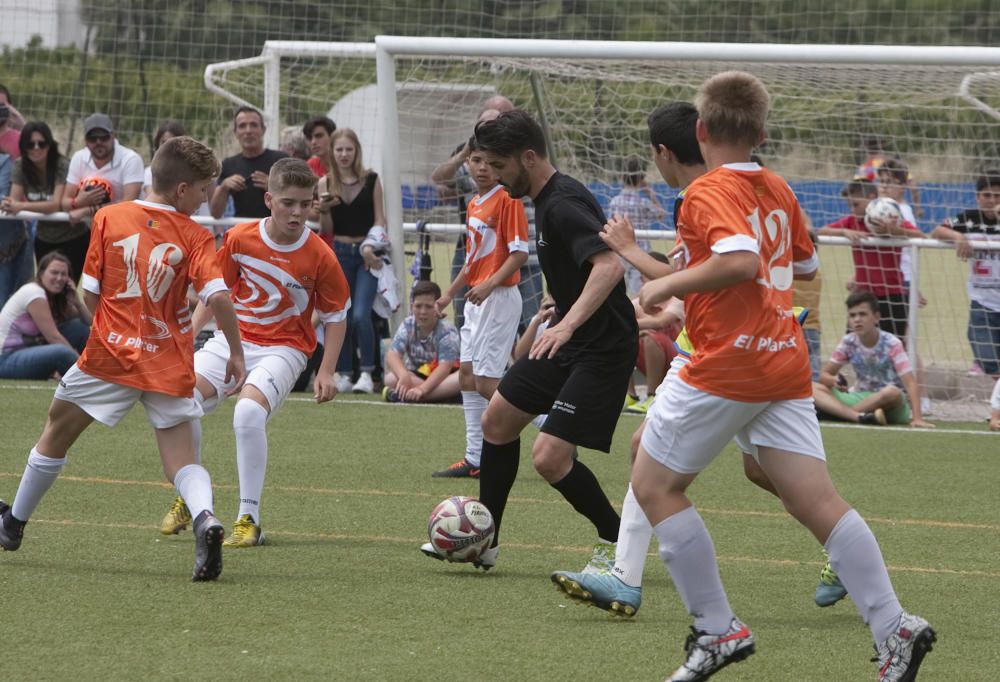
pixel 44 325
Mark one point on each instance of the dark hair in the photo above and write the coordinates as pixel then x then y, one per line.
pixel 635 171
pixel 58 303
pixel 5 91
pixel 989 178
pixel 672 125
pixel 425 287
pixel 511 133
pixel 859 297
pixel 896 169
pixel 659 257
pixel 249 110
pixel 175 128
pixel 320 121
pixel 474 145
pixel 48 183
pixel 859 187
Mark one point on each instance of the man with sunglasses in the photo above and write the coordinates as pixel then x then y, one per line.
pixel 103 157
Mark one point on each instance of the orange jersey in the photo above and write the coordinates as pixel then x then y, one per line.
pixel 497 226
pixel 748 344
pixel 276 286
pixel 141 259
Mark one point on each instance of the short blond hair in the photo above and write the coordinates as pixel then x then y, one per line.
pixel 290 172
pixel 733 107
pixel 182 159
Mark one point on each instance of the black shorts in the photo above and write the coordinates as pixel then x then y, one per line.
pixel 583 397
pixel 894 310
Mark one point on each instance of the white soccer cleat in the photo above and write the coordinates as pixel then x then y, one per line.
pixel 708 654
pixel 900 656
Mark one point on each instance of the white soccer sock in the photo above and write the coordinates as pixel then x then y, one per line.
pixel 539 420
pixel 687 550
pixel 633 541
pixel 39 475
pixel 474 406
pixel 196 438
pixel 249 423
pixel 855 556
pixel 194 485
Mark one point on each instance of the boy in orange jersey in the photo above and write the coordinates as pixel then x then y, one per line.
pixel 744 238
pixel 279 272
pixel 142 257
pixel 496 248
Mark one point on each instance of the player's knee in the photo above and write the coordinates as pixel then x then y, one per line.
pixel 634 448
pixel 892 394
pixel 249 414
pixel 551 462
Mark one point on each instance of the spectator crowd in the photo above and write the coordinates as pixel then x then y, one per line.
pixel 44 325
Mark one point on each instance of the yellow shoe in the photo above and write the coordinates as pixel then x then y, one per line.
pixel 177 519
pixel 245 533
pixel 630 400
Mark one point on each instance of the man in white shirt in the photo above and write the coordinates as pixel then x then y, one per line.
pixel 120 167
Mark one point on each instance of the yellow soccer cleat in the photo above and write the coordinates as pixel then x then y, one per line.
pixel 246 533
pixel 177 519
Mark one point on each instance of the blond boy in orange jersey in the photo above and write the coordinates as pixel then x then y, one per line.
pixel 496 248
pixel 279 273
pixel 744 239
pixel 143 255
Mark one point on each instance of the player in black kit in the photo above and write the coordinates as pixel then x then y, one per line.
pixel 577 370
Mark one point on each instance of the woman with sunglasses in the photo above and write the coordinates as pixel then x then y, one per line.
pixel 37 185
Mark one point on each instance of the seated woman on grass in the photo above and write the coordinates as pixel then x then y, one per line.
pixel 44 325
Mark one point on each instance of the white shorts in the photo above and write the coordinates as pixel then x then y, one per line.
pixel 675 366
pixel 489 332
pixel 108 403
pixel 272 370
pixel 686 428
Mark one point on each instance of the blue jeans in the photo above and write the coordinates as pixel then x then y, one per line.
pixel 815 352
pixel 360 330
pixel 17 271
pixel 39 362
pixel 984 337
pixel 457 263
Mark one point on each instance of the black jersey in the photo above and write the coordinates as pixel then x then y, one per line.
pixel 568 223
pixel 250 202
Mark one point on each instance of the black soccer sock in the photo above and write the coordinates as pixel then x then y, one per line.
pixel 497 472
pixel 581 489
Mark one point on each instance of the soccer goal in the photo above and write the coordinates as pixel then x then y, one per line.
pixel 833 109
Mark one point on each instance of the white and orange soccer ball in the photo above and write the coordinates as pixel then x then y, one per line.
pixel 881 211
pixel 461 529
pixel 97 181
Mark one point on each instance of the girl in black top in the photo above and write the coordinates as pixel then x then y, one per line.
pixel 350 204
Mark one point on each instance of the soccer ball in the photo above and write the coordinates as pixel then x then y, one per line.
pixel 881 210
pixel 461 529
pixel 98 182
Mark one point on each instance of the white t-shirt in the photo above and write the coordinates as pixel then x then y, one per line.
pixel 15 321
pixel 125 168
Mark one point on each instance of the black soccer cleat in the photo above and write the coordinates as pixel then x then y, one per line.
pixel 11 530
pixel 208 533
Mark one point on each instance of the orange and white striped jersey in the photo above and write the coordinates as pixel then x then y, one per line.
pixel 748 344
pixel 496 227
pixel 276 286
pixel 141 259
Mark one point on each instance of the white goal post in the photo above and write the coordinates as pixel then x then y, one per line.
pixel 411 100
